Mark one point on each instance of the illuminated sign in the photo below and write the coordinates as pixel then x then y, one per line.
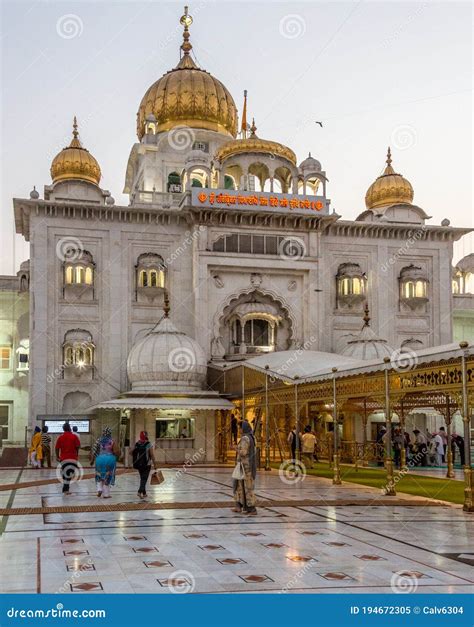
pixel 278 203
pixel 56 426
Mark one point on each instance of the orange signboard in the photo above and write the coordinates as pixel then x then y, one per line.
pixel 230 198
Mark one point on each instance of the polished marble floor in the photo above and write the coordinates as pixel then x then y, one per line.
pixel 362 547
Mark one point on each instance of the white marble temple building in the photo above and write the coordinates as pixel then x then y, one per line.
pixel 240 233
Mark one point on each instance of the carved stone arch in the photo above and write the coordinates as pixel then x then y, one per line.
pixel 216 342
pixel 76 402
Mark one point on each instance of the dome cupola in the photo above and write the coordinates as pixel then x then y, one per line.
pixel 188 96
pixel 367 344
pixel 166 360
pixel 75 162
pixel 389 188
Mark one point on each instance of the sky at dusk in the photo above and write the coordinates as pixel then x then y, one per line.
pixel 375 73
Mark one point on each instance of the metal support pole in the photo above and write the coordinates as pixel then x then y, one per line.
pixel 267 426
pixel 450 474
pixel 390 487
pixel 468 489
pixel 297 424
pixel 243 392
pixel 336 469
pixel 403 450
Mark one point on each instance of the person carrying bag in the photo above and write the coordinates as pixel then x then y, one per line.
pixel 143 457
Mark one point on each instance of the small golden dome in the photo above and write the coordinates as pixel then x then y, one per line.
pixel 388 189
pixel 188 96
pixel 75 162
pixel 255 144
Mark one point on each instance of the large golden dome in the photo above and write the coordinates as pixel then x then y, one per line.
pixel 389 189
pixel 188 96
pixel 75 162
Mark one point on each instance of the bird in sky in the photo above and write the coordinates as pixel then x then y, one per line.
pixel 320 123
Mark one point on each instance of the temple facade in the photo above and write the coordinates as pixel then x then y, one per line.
pixel 239 234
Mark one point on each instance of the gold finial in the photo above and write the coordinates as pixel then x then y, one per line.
pixel 243 126
pixel 75 132
pixel 253 128
pixel 366 317
pixel 166 307
pixel 186 20
pixel 389 157
pixel 75 141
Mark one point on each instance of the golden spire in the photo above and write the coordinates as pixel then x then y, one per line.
pixel 366 317
pixel 75 141
pixel 243 127
pixel 166 306
pixel 389 169
pixel 253 128
pixel 186 20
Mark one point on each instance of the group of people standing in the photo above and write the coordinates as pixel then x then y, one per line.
pixel 103 456
pixel 423 449
pixel 306 443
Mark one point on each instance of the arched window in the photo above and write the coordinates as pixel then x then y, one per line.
pixel 351 284
pixel 174 183
pixel 413 285
pixel 229 182
pixel 79 269
pixel 78 349
pixel 150 272
pixel 196 183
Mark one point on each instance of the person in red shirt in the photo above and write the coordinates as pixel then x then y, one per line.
pixel 67 453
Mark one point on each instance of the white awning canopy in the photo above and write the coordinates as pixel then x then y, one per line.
pixel 184 402
pixel 308 366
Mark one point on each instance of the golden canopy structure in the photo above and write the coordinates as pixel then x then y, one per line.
pixel 75 162
pixel 188 96
pixel 389 188
pixel 254 144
